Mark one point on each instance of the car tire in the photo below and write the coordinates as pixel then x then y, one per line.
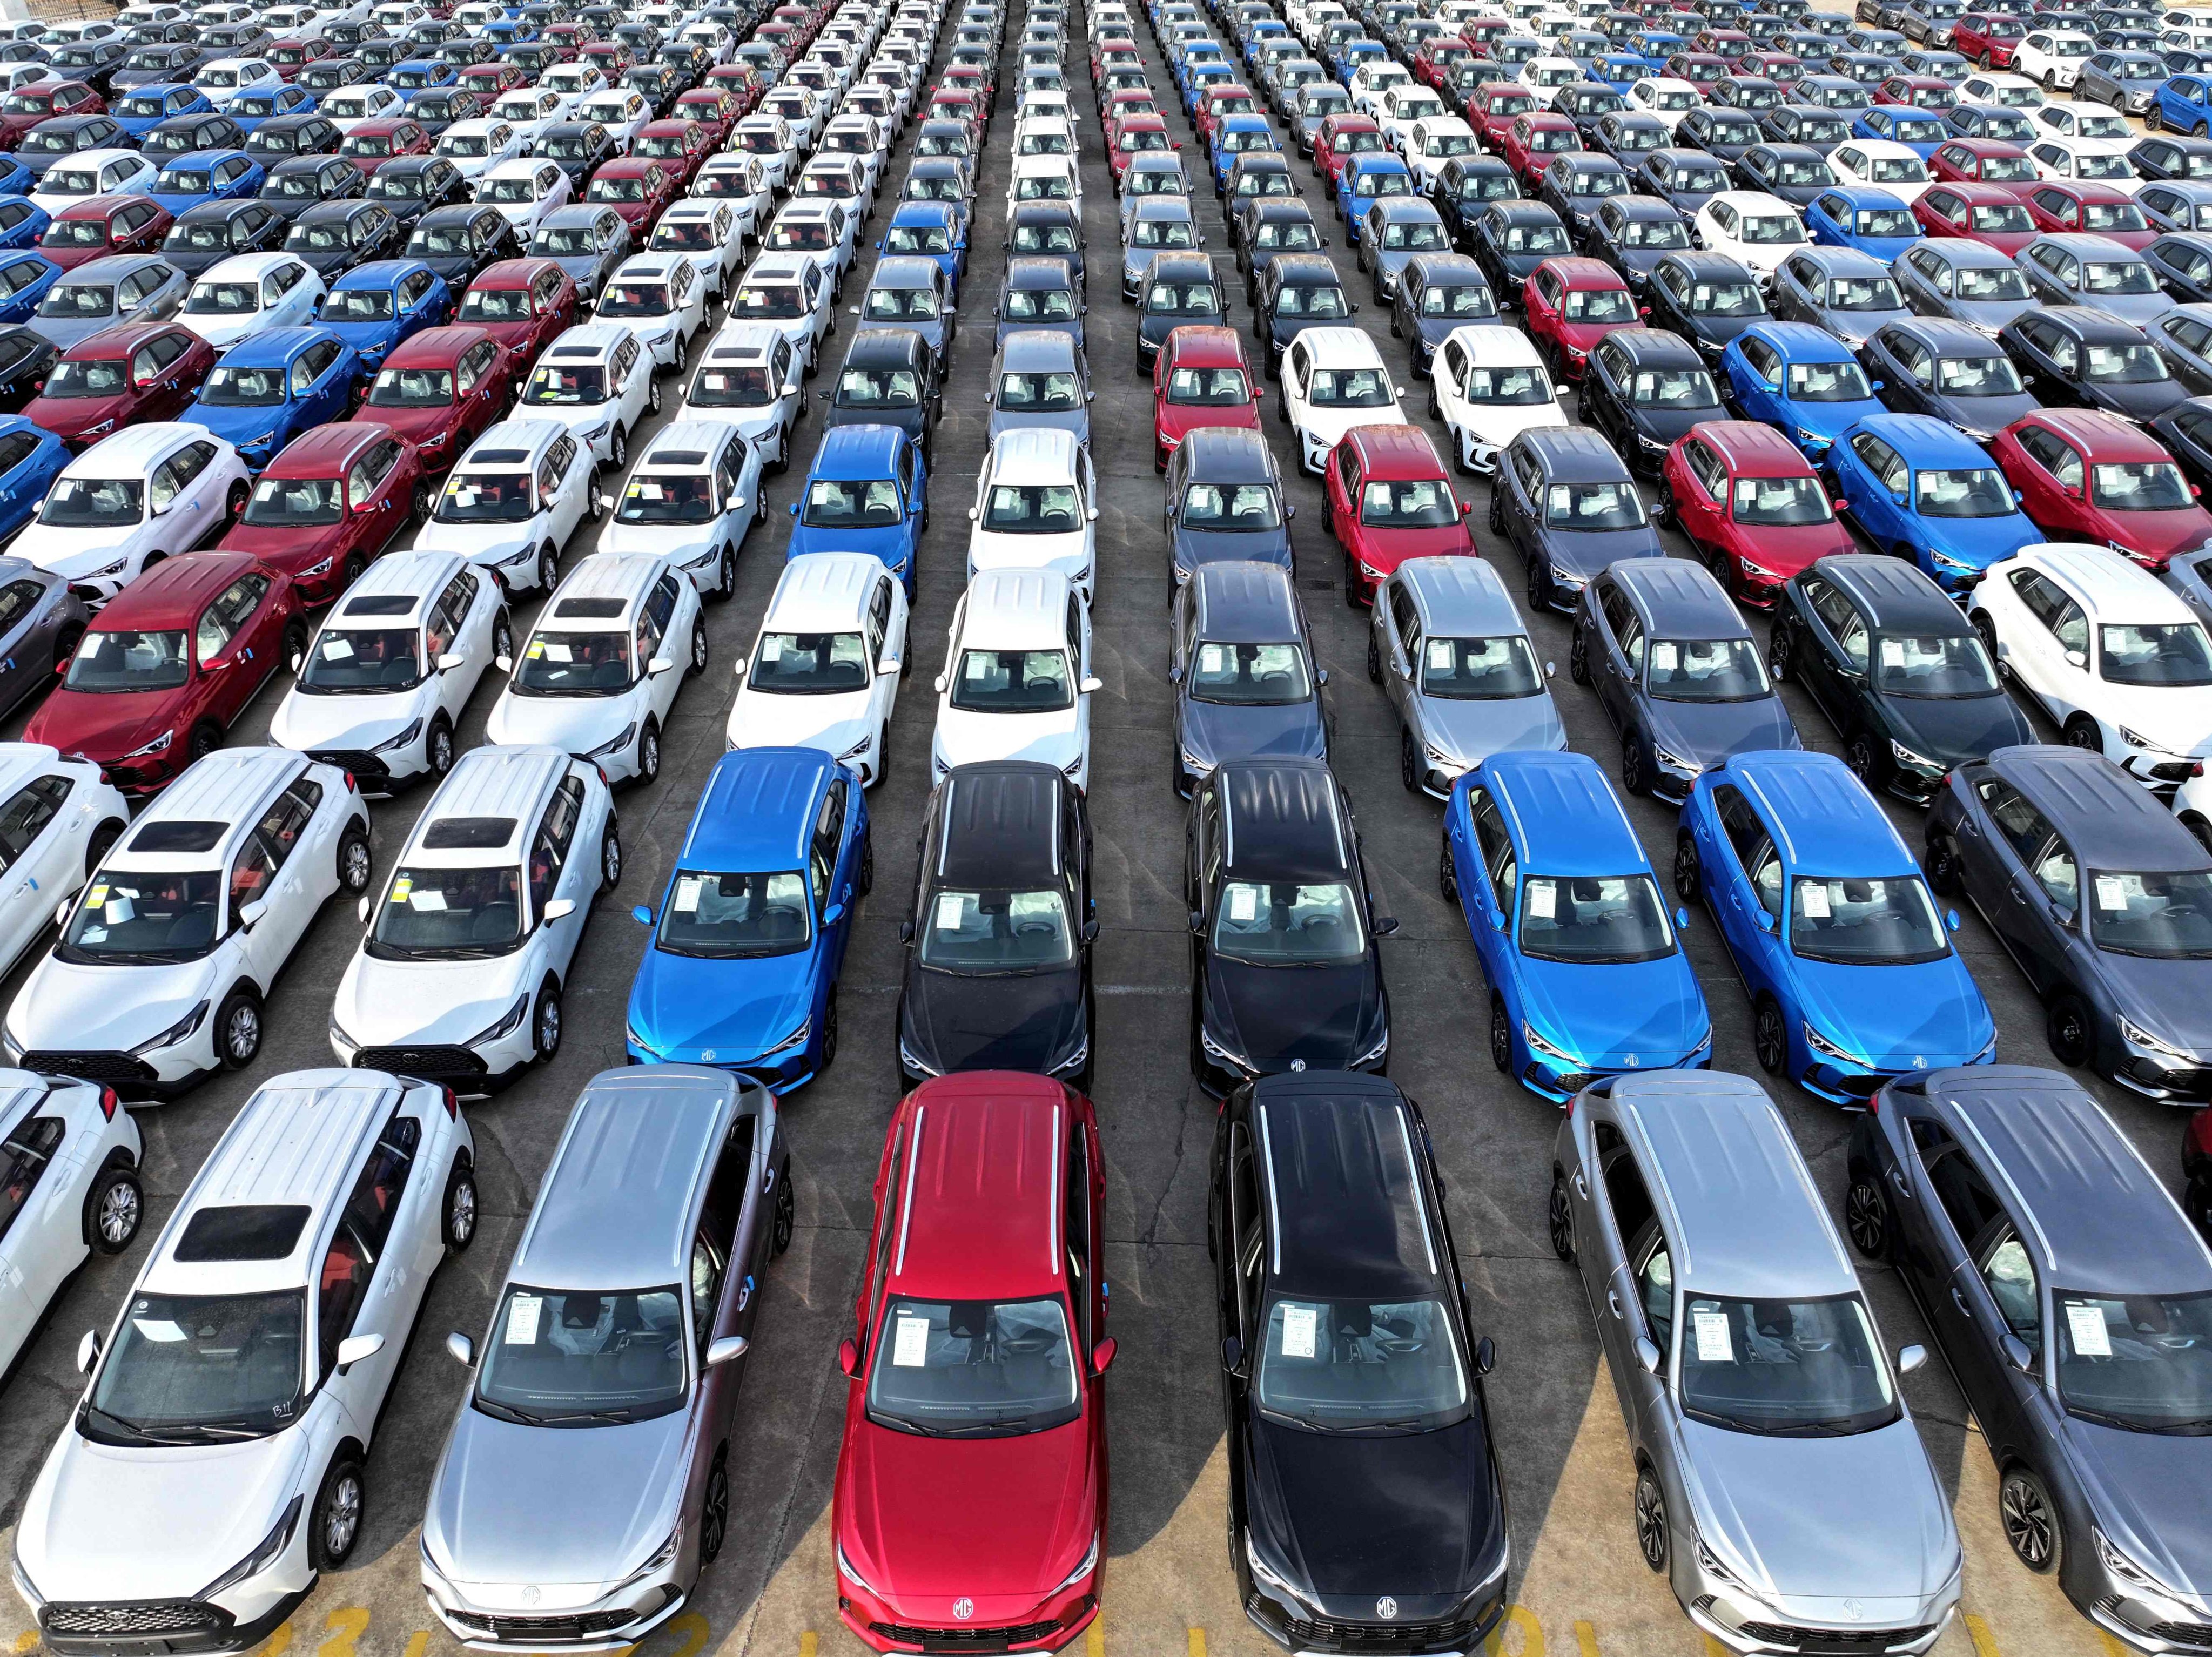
pixel 295 647
pixel 2031 1521
pixel 1866 1215
pixel 1501 1036
pixel 419 505
pixel 356 864
pixel 1770 1036
pixel 648 750
pixel 98 846
pixel 863 878
pixel 1688 876
pixel 1866 762
pixel 2071 1034
pixel 715 1508
pixel 701 649
pixel 1663 513
pixel 1447 872
pixel 334 1522
pixel 1559 1218
pixel 238 1028
pixel 234 504
pixel 785 1224
pixel 2082 732
pixel 545 1020
pixel 458 1214
pixel 1939 861
pixel 114 1209
pixel 610 858
pixel 1651 1538
pixel 1777 653
pixel 1634 766
pixel 549 568
pixel 2151 122
pixel 1540 586
pixel 618 447
pixel 1374 660
pixel 1409 762
pixel 652 397
pixel 438 749
pixel 1578 657
pixel 683 355
pixel 829 1032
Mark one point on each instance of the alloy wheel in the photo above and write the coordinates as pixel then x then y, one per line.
pixel 1770 1039
pixel 241 1035
pixel 1651 1521
pixel 1560 1219
pixel 1866 1217
pixel 2029 1524
pixel 121 1206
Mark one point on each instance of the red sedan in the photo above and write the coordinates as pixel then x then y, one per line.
pixel 682 147
pixel 713 107
pixel 1984 161
pixel 1988 37
pixel 1201 377
pixel 1987 213
pixel 638 189
pixel 141 371
pixel 25 107
pixel 329 503
pixel 971 1491
pixel 439 389
pixel 1917 92
pixel 1345 136
pixel 1751 507
pixel 524 304
pixel 290 56
pixel 372 143
pixel 2084 474
pixel 1390 499
pixel 1137 135
pixel 1495 107
pixel 1570 305
pixel 95 226
pixel 1534 139
pixel 2100 209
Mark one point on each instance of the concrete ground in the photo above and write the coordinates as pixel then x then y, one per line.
pixel 1579 1584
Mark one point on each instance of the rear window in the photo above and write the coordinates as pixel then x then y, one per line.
pixel 260 1231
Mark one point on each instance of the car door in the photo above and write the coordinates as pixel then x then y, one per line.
pixel 304 867
pixel 43 856
pixel 886 629
pixel 662 636
pixel 370 1282
pixel 1839 658
pixel 557 870
pixel 2021 877
pixel 225 653
pixel 829 878
pixel 1617 664
pixel 567 476
pixel 1703 510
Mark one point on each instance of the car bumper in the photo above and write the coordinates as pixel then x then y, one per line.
pixel 380 773
pixel 470 1072
pixel 168 1628
pixel 1308 1635
pixel 1850 1084
pixel 1751 1633
pixel 595 1626
pixel 1559 1079
pixel 881 1626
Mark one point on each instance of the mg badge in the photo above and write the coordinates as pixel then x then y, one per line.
pixel 706 1055
pixel 529 1596
pixel 1386 1608
pixel 1854 1610
pixel 963 1607
pixel 1633 1061
pixel 1297 1064
pixel 1920 1061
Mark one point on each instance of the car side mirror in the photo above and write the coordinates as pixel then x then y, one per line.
pixel 2017 1352
pixel 504 664
pixel 1486 1355
pixel 1385 925
pixel 357 1349
pixel 2077 658
pixel 250 915
pixel 87 1351
pixel 661 664
pixel 452 659
pixel 1765 921
pixel 848 1358
pixel 1951 918
pixel 1649 1358
pixel 1102 1356
pixel 559 909
pixel 727 1350
pixel 1232 1354
pixel 642 913
pixel 1091 683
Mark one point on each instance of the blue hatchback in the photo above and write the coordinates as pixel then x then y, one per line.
pixel 271 386
pixel 1852 974
pixel 1617 69
pixel 23 222
pixel 206 175
pixel 1656 46
pixel 24 279
pixel 30 457
pixel 753 923
pixel 375 306
pixel 868 492
pixel 1586 970
pixel 142 108
pixel 1867 217
pixel 1801 379
pixel 1364 180
pixel 1920 489
pixel 15 179
pixel 417 76
pixel 251 109
pixel 2184 103
pixel 1920 130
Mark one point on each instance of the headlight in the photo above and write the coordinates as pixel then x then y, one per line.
pixel 1561 576
pixel 1906 756
pixel 1374 1054
pixel 2135 739
pixel 1088 1562
pixel 1268 1577
pixel 615 744
pixel 1828 1049
pixel 1215 1050
pixel 1942 560
pixel 1750 568
pixel 436 442
pixel 919 1066
pixel 1807 435
pixel 845 1566
pixel 522 555
pixel 270 1550
pixel 1674 761
pixel 599 431
pixel 509 1021
pixel 2141 1037
pixel 2125 1568
pixel 1075 1061
pixel 1537 1044
pixel 323 568
pixel 857 749
pixel 414 730
pixel 176 1032
pixel 105 427
pixel 663 1556
pixel 106 570
pixel 796 1039
pixel 339 1035
pixel 159 745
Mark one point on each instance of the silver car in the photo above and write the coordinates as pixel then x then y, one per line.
pixel 586 1483
pixel 1451 653
pixel 40 622
pixel 1765 1419
pixel 1040 379
pixel 1154 224
pixel 589 242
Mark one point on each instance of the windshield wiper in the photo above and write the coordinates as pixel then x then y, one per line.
pixel 117 1427
pixel 618 1416
pixel 499 1412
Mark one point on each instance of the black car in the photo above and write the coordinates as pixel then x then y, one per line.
pixel 1564 540
pixel 154 62
pixel 1297 291
pixel 1586 104
pixel 441 107
pixel 1933 366
pixel 180 135
pixel 1374 1512
pixel 1258 174
pixel 1751 93
pixel 890 379
pixel 578 147
pixel 1050 228
pixel 1039 293
pixel 1285 963
pixel 1511 238
pixel 1437 293
pixel 93 62
pixel 2126 981
pixel 998 944
pixel 412 186
pixel 1723 134
pixel 1241 662
pixel 1628 135
pixel 466 52
pixel 1632 234
pixel 660 83
pixel 1466 187
pixel 460 242
pixel 1707 298
pixel 2073 355
pixel 333 237
pixel 1889 657
pixel 1794 173
pixel 1687 178
pixel 1178 290
pixel 1575 185
pixel 329 75
pixel 292 135
pixel 2186 431
pixel 1267 229
pixel 1643 390
pixel 64 135
pixel 26 360
pixel 1798 128
pixel 203 236
pixel 2167 155
pixel 1225 502
pixel 294 185
pixel 2183 263
pixel 378 56
pixel 237 40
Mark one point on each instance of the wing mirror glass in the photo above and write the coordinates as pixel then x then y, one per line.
pixel 1089 684
pixel 642 913
pixel 849 1358
pixel 1910 1358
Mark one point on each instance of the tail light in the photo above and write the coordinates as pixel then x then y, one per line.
pixel 108 1102
pixel 453 1105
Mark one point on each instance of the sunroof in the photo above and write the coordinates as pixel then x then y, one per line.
pixel 468 833
pixel 178 836
pixel 258 1231
pixel 381 603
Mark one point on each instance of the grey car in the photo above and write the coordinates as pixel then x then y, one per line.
pixel 40 622
pixel 1453 657
pixel 1241 663
pixel 106 293
pixel 2128 81
pixel 915 294
pixel 2184 338
pixel 610 1369
pixel 1840 289
pixel 2177 204
pixel 1764 1417
pixel 1392 234
pixel 589 243
pixel 1158 224
pixel 1964 280
pixel 2072 268
pixel 1040 378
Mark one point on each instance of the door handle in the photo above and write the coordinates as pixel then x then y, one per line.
pixel 1581 1185
pixel 1897 1178
pixel 1960 1301
pixel 1613 1301
pixel 2016 897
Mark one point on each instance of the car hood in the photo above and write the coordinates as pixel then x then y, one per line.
pixel 1631 1015
pixel 680 542
pixel 76 1009
pixel 1017 1021
pixel 390 1004
pixel 498 1481
pixel 2141 309
pixel 2157 536
pixel 1474 731
pixel 1326 1014
pixel 1988 315
pixel 70 418
pixel 1827 421
pixel 831 722
pixel 1861 1516
pixel 1983 417
pixel 1928 1015
pixel 220 332
pixel 577 723
pixel 2152 1494
pixel 481 544
pixel 1855 328
pixel 1077 420
pixel 1954 731
pixel 100 727
pixel 683 1004
pixel 2142 404
pixel 1709 732
pixel 912 422
pixel 126 1521
pixel 355 724
pixel 1585 552
pixel 243 426
pixel 65 332
pixel 963 736
pixel 1192 548
pixel 1500 426
pixel 2178 723
pixel 584 268
pixel 2172 999
pixel 1213 732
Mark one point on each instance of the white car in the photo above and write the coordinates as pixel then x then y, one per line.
pixel 1756 229
pixel 166 955
pixel 398 16
pixel 820 231
pixel 525 191
pixel 1037 507
pixel 622 110
pixel 2097 161
pixel 470 941
pixel 248 292
pixel 1375 77
pixel 1045 135
pixel 859 137
pixel 573 82
pixel 514 500
pixel 710 234
pixel 721 44
pixel 769 140
pixel 695 495
pixel 1404 108
pixel 94 172
pixel 1548 74
pixel 2110 655
pixel 58 816
pixel 794 293
pixel 2071 118
pixel 131 500
pixel 1017 683
pixel 389 676
pixel 596 379
pixel 227 77
pixel 1878 161
pixel 804 112
pixel 529 110
pixel 215 1467
pixel 1488 386
pixel 1333 379
pixel 476 147
pixel 750 376
pixel 2053 57
pixel 1044 179
pixel 825 672
pixel 2005 91
pixel 737 178
pixel 660 299
pixel 349 106
pixel 1432 145
pixel 1668 99
pixel 69 1184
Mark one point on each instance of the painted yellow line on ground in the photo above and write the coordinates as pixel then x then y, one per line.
pixel 1198 1642
pixel 809 1642
pixel 1094 1639
pixel 1585 1640
pixel 1532 1635
pixel 1985 1644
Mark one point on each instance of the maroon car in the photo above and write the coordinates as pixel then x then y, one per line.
pixel 680 145
pixel 141 371
pixel 25 107
pixel 524 304
pixel 331 501
pixel 440 390
pixel 638 189
pixel 96 226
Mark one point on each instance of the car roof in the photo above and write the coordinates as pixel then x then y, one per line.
pixel 273 348
pixel 998 822
pixel 1337 1150
pixel 1573 454
pixel 1245 603
pixel 583 599
pixel 1033 454
pixel 981 1217
pixel 1680 599
pixel 2094 804
pixel 173 592
pixel 489 782
pixel 420 576
pixel 1753 450
pixel 616 1210
pixel 435 346
pixel 1563 814
pixel 1227 454
pixel 2104 436
pixel 758 808
pixel 1801 342
pixel 1031 349
pixel 858 453
pixel 823 592
pixel 2083 322
pixel 1894 595
pixel 1016 609
pixel 1337 347
pixel 588 340
pixel 1924 441
pixel 1649 346
pixel 879 346
pixel 1396 452
pixel 1823 820
pixel 1282 819
pixel 326 451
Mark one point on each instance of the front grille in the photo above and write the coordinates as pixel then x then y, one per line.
pixel 1841 1642
pixel 88 595
pixel 964 1639
pixel 428 1063
pixel 2174 770
pixel 157 1619
pixel 91 1067
pixel 583 1625
pixel 366 768
pixel 2182 1634
pixel 1321 1635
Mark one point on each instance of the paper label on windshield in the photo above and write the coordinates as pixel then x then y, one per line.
pixel 1243 904
pixel 910 1343
pixel 522 1314
pixel 1893 652
pixel 977 665
pixel 117 910
pixel 1298 1323
pixel 536 650
pixel 1440 655
pixel 1543 900
pixel 2087 1325
pixel 161 1329
pixel 2111 893
pixel 1713 1344
pixel 559 653
pixel 687 895
pixel 1814 897
pixel 1663 657
pixel 649 491
pixel 951 907
pixel 400 889
pixel 771 650
pixel 1209 658
pixel 337 650
pixel 427 904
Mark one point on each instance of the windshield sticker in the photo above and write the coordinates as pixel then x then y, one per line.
pixel 1298 1322
pixel 910 1345
pixel 1713 1344
pixel 2087 1325
pixel 522 1312
pixel 687 895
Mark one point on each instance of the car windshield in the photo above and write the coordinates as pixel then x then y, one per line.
pixel 733 388
pixel 1673 388
pixel 485 498
pixel 1349 388
pixel 916 239
pixel 1594 506
pixel 411 388
pixel 1865 292
pixel 2140 1362
pixel 563 663
pixel 2091 167
pixel 773 303
pixel 2132 364
pixel 726 916
pixel 1865 923
pixel 809 663
pixel 243 388
pixel 200 1368
pixel 1044 393
pixel 294 503
pixel 1252 676
pixel 667 498
pixel 845 503
pixel 1410 503
pixel 129 917
pixel 683 235
pixel 1774 502
pixel 110 660
pixel 1283 923
pixel 93 377
pixel 2130 486
pixel 898 303
pixel 1808 1368
pixel 1724 299
pixel 224 298
pixel 362 660
pixel 1994 284
pixel 2119 277
pixel 1536 240
pixel 2174 653
pixel 635 299
pixel 974 1368
pixel 1000 931
pixel 583 1359
pixel 1594 921
pixel 1039 304
pixel 1160 232
pixel 1348 1366
pixel 1964 492
pixel 449 914
pixel 79 300
pixel 1707 671
pixel 566 384
pixel 1499 668
pixel 1884 169
pixel 1830 382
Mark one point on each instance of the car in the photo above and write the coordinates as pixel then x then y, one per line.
pixel 93 528
pixel 1990 214
pixel 377 306
pixel 1875 222
pixel 1018 678
pixel 184 135
pixel 300 182
pixel 469 992
pixel 1225 502
pixel 712 234
pixel 1295 292
pixel 89 228
pixel 1684 178
pixel 1843 291
pixel 1390 499
pixel 525 190
pixel 460 243
pixel 1200 378
pixel 1918 487
pixel 512 501
pixel 1242 664
pixel 1333 380
pixel 22 224
pixel 439 389
pixel 331 501
pixel 215 231
pixel 890 377
pixel 588 243
pixel 251 294
pixel 1965 281
pixel 825 672
pixel 2161 156
pixel 2100 210
pixel 1950 370
pixel 271 388
pixel 2073 269
pixel 108 380
pixel 2133 81
pixel 696 495
pixel 333 237
pixel 2053 56
pixel 1489 385
pixel 1035 508
pixel 922 229
pixel 101 293
pixel 1798 378
pixel 1570 305
pixel 2079 354
pixel 749 377
pixel 658 301
pixel 1644 389
pixel 866 491
pixel 2090 476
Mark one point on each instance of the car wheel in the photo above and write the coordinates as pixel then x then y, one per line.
pixel 1866 1217
pixel 1578 657
pixel 1351 579
pixel 1940 861
pixel 1559 1218
pixel 546 1021
pixel 113 1209
pixel 2082 732
pixel 715 1508
pixel 1987 630
pixel 1987 61
pixel 335 1525
pixel 460 1207
pixel 295 647
pixel 2071 1036
pixel 1770 1036
pixel 234 504
pixel 355 563
pixel 610 858
pixel 864 880
pixel 1663 512
pixel 2201 130
pixel 1501 1035
pixel 1865 761
pixel 829 1030
pixel 1777 653
pixel 652 397
pixel 2030 1523
pixel 1447 873
pixel 1374 660
pixel 2151 122
pixel 438 749
pixel 617 447
pixel 1635 775
pixel 1409 762
pixel 549 568
pixel 238 1028
pixel 683 355
pixel 1686 872
pixel 1540 585
pixel 97 848
pixel 648 751
pixel 2198 826
pixel 419 504
pixel 786 1224
pixel 355 864
pixel 1651 1520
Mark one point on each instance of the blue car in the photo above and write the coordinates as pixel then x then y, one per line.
pixel 417 76
pixel 928 230
pixel 251 109
pixel 1656 47
pixel 742 970
pixel 206 175
pixel 142 108
pixel 508 33
pixel 867 491
pixel 1921 490
pixel 15 179
pixel 1799 379
pixel 1850 970
pixel 375 306
pixel 1619 69
pixel 23 222
pixel 249 397
pixel 1867 217
pixel 1365 179
pixel 24 279
pixel 1239 135
pixel 1203 76
pixel 1920 130
pixel 1587 973
pixel 27 473
pixel 2184 104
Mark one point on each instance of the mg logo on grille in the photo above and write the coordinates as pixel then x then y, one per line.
pixel 963 1607
pixel 531 1596
pixel 1386 1608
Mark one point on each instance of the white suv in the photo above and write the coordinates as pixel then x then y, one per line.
pixel 1333 380
pixel 1036 507
pixel 825 670
pixel 69 1184
pixel 514 500
pixel 597 380
pixel 145 494
pixel 1488 386
pixel 1017 683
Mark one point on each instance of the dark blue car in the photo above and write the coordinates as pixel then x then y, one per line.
pixel 375 306
pixel 24 279
pixel 206 175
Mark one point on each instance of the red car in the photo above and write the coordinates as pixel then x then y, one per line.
pixel 1438 56
pixel 1120 106
pixel 2084 474
pixel 1138 134
pixel 1750 505
pixel 372 143
pixel 956 104
pixel 713 107
pixel 638 189
pixel 1534 139
pixel 1494 108
pixel 1342 136
pixel 1918 91
pixel 330 502
pixel 290 56
pixel 1219 104
pixel 1730 44
pixel 1987 213
pixel 1571 304
pixel 172 660
pixel 971 78
pixel 1984 160
pixel 1481 33
pixel 2100 210
pixel 1201 377
pixel 94 227
pixel 25 107
pixel 524 304
pixel 488 80
pixel 439 389
pixel 1390 499
pixel 742 82
pixel 1784 69
pixel 681 147
pixel 141 371
pixel 610 57
pixel 1989 38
